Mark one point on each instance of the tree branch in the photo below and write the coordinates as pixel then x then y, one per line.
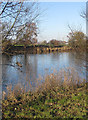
pixel 3 8
pixel 13 23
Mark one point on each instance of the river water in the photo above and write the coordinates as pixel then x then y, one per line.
pixel 35 65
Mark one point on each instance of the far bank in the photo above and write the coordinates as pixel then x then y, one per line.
pixel 35 49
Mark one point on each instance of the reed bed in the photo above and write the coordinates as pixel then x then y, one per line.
pixel 61 94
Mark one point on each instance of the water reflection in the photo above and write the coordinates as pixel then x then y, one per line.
pixel 34 65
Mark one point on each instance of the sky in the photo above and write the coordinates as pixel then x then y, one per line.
pixel 56 17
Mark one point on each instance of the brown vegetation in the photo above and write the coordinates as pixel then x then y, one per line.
pixel 61 95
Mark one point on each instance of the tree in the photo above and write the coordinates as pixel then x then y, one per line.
pixel 29 35
pixel 44 42
pixel 77 39
pixel 16 17
pixel 84 13
pixel 54 42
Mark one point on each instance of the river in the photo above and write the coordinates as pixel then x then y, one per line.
pixel 35 65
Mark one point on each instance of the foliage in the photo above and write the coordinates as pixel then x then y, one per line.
pixel 44 42
pixel 77 39
pixel 6 45
pixel 56 43
pixel 53 99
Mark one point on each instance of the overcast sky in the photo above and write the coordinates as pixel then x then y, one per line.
pixel 56 17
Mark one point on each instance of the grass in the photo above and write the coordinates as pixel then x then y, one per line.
pixel 59 96
pixel 23 45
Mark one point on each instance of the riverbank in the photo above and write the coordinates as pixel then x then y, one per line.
pixel 37 49
pixel 52 99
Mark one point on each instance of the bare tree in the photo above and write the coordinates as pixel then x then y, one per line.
pixel 84 13
pixel 16 16
pixel 27 36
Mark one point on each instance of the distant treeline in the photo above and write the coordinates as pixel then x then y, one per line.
pixel 77 40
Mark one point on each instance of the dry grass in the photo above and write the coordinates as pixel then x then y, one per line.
pixel 57 95
pixel 67 78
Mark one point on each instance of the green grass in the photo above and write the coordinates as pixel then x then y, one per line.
pixel 52 101
pixel 23 45
pixel 72 105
